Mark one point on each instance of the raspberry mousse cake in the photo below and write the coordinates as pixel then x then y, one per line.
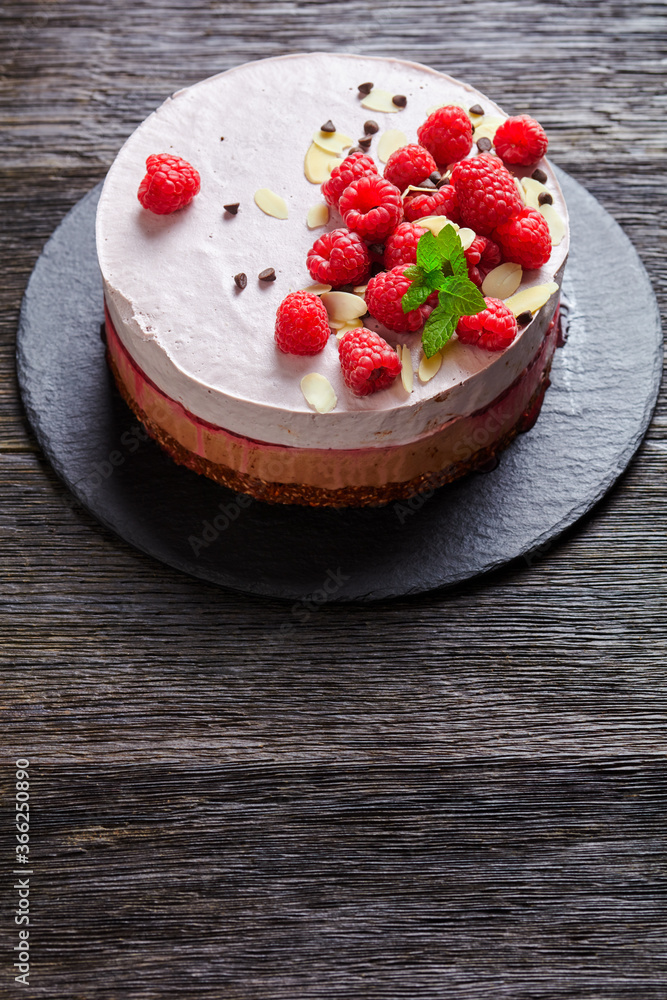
pixel 331 279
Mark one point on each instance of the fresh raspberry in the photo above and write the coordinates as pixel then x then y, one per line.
pixel 494 328
pixel 486 192
pixel 383 298
pixel 409 165
pixel 525 239
pixel 351 169
pixel 442 202
pixel 339 258
pixel 170 183
pixel 372 207
pixel 447 134
pixel 484 252
pixel 367 361
pixel 302 324
pixel 401 247
pixel 521 140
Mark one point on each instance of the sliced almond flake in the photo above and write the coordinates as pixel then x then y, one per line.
pixel 407 374
pixel 332 142
pixel 428 367
pixel 532 190
pixel 522 193
pixel 485 132
pixel 502 281
pixel 318 165
pixel 360 289
pixel 413 187
pixel 271 203
pixel 318 215
pixel 531 298
pixel 344 325
pixel 555 223
pixel 490 123
pixel 318 392
pixel 466 236
pixel 317 288
pixel 435 223
pixel 390 141
pixel 344 306
pixel 380 100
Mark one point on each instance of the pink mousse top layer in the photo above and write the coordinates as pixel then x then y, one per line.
pixel 168 280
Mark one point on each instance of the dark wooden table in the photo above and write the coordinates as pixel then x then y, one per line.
pixel 456 796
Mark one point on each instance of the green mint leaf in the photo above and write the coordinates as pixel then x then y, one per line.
pixel 459 295
pixel 415 273
pixel 439 328
pixel 428 252
pixel 415 296
pixel 449 245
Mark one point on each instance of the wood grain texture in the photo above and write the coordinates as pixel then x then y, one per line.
pixel 456 795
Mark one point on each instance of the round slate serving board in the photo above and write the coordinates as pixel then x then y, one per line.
pixel 604 388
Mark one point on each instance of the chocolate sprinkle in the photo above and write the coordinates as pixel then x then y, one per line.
pixel 524 318
pixel 476 109
pixel 544 198
pixel 268 274
pixel 484 144
pixel 399 100
pixel 240 280
pixel 539 175
pixel 365 88
pixel 328 127
pixel 371 127
pixel 365 142
pixel 232 209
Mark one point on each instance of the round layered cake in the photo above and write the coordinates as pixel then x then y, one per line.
pixel 191 296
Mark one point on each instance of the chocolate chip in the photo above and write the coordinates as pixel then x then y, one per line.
pixel 476 109
pixel 355 149
pixel 232 209
pixel 365 142
pixel 484 144
pixel 435 176
pixel 328 127
pixel 443 182
pixel 399 100
pixel 346 288
pixel 428 183
pixel 544 198
pixel 268 274
pixel 240 280
pixel 365 88
pixel 371 127
pixel 222 138
pixel 377 248
pixel 539 175
pixel 524 318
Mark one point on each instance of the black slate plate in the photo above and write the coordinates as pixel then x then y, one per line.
pixel 604 388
